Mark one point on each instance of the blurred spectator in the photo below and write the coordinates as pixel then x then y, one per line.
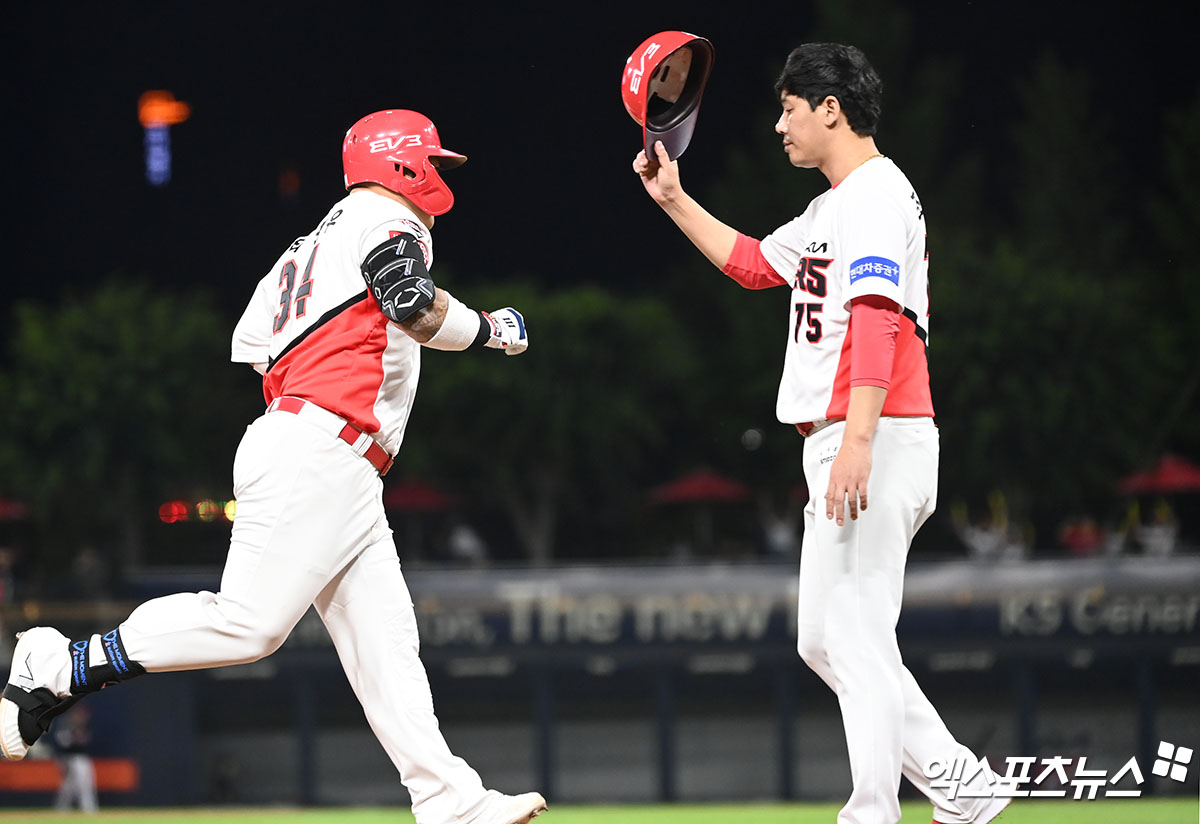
pixel 1017 543
pixel 465 544
pixel 8 595
pixel 994 536
pixel 223 778
pixel 8 581
pixel 1115 540
pixel 781 527
pixel 1158 537
pixel 1116 535
pixel 73 739
pixel 681 550
pixel 90 572
pixel 984 539
pixel 1081 536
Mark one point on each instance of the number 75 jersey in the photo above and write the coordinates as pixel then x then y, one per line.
pixel 321 335
pixel 865 236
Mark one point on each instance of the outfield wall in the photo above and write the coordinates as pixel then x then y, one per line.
pixel 673 682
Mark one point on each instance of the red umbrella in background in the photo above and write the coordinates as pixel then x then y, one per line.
pixel 1171 474
pixel 11 510
pixel 414 496
pixel 702 486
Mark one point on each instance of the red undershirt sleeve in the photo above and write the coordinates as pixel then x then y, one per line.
pixel 874 324
pixel 748 267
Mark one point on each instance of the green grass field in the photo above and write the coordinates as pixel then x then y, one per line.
pixel 1136 811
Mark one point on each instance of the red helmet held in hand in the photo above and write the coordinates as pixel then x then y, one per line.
pixel 401 151
pixel 662 85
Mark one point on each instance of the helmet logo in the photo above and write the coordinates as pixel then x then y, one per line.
pixel 635 76
pixel 388 144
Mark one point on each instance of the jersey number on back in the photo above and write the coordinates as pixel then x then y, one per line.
pixel 290 294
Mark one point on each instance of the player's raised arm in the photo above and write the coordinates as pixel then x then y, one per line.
pixel 660 176
pixel 661 87
pixel 734 253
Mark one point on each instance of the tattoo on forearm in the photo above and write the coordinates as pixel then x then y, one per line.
pixel 424 324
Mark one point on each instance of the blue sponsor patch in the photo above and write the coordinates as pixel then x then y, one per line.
pixel 875 267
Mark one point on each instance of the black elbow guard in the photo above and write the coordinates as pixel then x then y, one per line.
pixel 397 278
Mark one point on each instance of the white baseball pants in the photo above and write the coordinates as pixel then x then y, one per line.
pixel 311 529
pixel 851 585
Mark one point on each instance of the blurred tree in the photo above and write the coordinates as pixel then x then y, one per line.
pixel 1068 186
pixel 575 429
pixel 114 399
pixel 757 191
pixel 1040 349
pixel 1172 271
pixel 1043 330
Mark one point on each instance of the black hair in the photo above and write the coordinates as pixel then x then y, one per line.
pixel 816 71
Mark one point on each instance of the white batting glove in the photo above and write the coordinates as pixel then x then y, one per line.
pixel 508 331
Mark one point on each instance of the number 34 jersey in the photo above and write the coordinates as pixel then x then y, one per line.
pixel 320 334
pixel 865 236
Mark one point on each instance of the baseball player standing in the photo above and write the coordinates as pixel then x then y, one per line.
pixel 336 327
pixel 856 386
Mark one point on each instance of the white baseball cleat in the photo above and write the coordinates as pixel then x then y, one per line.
pixel 37 691
pixel 517 809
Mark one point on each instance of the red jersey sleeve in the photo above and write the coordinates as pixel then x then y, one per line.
pixel 748 267
pixel 874 325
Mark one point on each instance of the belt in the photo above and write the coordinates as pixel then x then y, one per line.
pixel 810 428
pixel 363 444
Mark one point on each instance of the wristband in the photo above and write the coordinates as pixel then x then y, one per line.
pixel 462 328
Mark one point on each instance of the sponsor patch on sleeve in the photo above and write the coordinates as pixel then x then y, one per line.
pixel 875 267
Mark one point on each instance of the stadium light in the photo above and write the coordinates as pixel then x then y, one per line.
pixel 158 110
pixel 173 512
pixel 205 511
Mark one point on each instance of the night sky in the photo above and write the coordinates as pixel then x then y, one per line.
pixel 532 97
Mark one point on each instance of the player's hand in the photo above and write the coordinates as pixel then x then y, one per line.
pixel 508 331
pixel 848 478
pixel 659 175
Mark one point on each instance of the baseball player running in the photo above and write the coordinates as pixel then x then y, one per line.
pixel 856 386
pixel 336 328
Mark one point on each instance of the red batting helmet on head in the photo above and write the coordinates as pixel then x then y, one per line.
pixel 401 151
pixel 662 85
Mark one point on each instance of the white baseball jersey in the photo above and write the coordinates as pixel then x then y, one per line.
pixel 865 236
pixel 311 530
pixel 322 335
